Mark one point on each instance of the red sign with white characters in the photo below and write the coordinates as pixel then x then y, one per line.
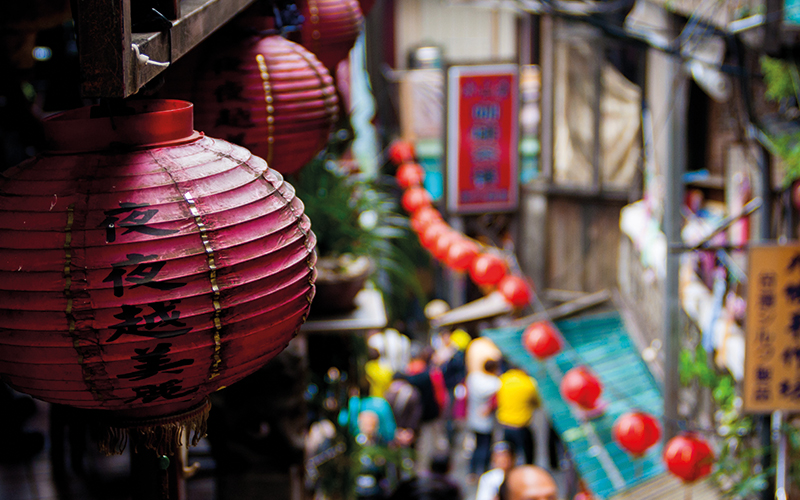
pixel 482 138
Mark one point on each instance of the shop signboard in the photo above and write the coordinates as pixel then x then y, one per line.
pixel 772 342
pixel 482 138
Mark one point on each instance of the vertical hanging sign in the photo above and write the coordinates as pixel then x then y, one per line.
pixel 772 342
pixel 482 138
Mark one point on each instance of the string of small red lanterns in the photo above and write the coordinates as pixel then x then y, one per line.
pixel 455 250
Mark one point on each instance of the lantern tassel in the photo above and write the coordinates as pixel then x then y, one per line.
pixel 162 435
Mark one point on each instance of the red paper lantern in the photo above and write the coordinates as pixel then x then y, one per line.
pixel 431 235
pixel 410 174
pixel 515 290
pixel 271 96
pixel 414 199
pixel 487 269
pixel 401 151
pixel 145 266
pixel 689 457
pixel 330 28
pixel 462 254
pixel 424 217
pixel 636 432
pixel 581 387
pixel 443 244
pixel 541 339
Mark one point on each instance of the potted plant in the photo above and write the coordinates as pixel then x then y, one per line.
pixel 360 233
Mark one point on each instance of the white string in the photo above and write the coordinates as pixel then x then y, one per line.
pixel 144 59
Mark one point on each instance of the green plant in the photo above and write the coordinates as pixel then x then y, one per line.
pixel 738 472
pixel 352 214
pixel 780 78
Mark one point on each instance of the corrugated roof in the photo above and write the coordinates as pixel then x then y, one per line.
pixel 601 342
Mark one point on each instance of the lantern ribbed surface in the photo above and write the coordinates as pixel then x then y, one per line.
pixel 148 268
pixel 330 29
pixel 269 95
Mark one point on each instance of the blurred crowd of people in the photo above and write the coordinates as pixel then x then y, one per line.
pixel 423 405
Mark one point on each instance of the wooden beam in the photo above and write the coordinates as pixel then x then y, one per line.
pixel 108 64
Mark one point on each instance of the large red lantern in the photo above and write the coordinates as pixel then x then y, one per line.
pixel 689 457
pixel 424 217
pixel 581 387
pixel 636 432
pixel 269 95
pixel 330 28
pixel 410 174
pixel 487 269
pixel 443 244
pixel 145 266
pixel 541 340
pixel 414 199
pixel 515 290
pixel 431 235
pixel 462 254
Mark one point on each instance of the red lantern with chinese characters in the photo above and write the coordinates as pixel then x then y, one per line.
pixel 689 457
pixel 487 269
pixel 541 340
pixel 330 28
pixel 144 266
pixel 269 95
pixel 414 199
pixel 401 151
pixel 515 290
pixel 636 432
pixel 462 254
pixel 410 174
pixel 581 387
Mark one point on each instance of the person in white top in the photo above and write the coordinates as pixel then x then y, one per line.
pixel 502 461
pixel 482 385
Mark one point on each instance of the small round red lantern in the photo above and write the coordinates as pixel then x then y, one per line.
pixel 515 290
pixel 443 244
pixel 145 266
pixel 636 432
pixel 330 29
pixel 431 235
pixel 410 174
pixel 462 254
pixel 541 339
pixel 689 457
pixel 401 151
pixel 424 217
pixel 581 387
pixel 269 95
pixel 487 269
pixel 415 198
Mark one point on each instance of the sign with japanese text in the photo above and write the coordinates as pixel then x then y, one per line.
pixel 482 138
pixel 772 343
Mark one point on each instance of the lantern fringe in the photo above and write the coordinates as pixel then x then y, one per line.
pixel 164 435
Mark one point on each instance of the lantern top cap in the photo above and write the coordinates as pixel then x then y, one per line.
pixel 128 125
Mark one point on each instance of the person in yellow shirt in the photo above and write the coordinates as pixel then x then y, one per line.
pixel 517 399
pixel 379 374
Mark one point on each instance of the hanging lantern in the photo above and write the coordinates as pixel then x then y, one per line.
pixel 541 340
pixel 581 387
pixel 515 290
pixel 424 217
pixel 462 254
pixel 636 432
pixel 271 96
pixel 144 266
pixel 409 174
pixel 689 457
pixel 415 198
pixel 443 244
pixel 487 269
pixel 401 151
pixel 330 29
pixel 366 6
pixel 431 235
